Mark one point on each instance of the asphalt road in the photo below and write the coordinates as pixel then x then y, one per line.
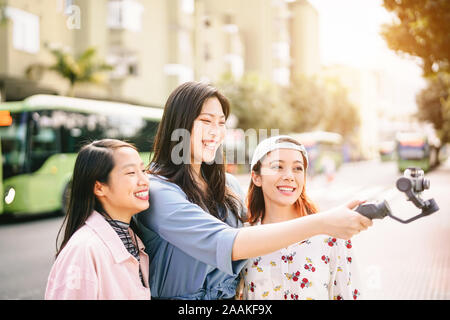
pixel 395 261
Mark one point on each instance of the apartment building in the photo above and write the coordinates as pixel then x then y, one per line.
pixel 154 45
pixel 136 37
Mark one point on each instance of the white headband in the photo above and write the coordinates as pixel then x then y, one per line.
pixel 270 144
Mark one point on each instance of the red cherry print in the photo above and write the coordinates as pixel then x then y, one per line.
pixel 330 244
pixel 305 280
pixel 323 257
pixel 297 273
pixel 295 278
pixel 334 239
pixel 302 285
pixel 313 269
pixel 306 267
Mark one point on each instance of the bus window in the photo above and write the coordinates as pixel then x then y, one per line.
pixel 78 128
pixel 411 152
pixel 44 139
pixel 13 145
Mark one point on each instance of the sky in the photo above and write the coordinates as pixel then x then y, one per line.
pixel 349 32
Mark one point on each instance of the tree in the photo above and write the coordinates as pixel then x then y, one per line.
pixel 434 105
pixel 256 102
pixel 322 104
pixel 340 115
pixel 308 100
pixel 84 68
pixel 422 29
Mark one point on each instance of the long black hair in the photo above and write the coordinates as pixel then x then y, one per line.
pixel 182 107
pixel 94 163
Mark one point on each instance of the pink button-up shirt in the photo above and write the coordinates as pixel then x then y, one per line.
pixel 95 264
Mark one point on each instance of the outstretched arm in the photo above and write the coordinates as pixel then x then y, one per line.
pixel 340 222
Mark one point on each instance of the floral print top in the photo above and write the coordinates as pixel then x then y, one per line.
pixel 321 267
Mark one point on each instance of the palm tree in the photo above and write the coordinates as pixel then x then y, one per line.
pixel 84 68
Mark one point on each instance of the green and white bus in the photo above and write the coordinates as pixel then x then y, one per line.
pixel 416 149
pixel 41 135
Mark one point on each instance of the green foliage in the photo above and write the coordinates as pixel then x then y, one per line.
pixel 434 105
pixel 3 17
pixel 308 100
pixel 306 105
pixel 339 115
pixel 422 29
pixel 256 102
pixel 83 68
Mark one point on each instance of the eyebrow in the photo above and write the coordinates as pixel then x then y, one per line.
pixel 211 114
pixel 131 165
pixel 284 161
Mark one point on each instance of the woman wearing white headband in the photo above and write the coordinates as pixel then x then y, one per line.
pixel 321 267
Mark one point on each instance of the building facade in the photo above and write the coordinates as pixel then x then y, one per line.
pixel 155 45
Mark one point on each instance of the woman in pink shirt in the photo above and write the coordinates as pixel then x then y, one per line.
pixel 100 256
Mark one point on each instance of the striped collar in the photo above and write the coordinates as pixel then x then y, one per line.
pixel 110 238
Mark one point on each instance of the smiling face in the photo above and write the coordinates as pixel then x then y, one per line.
pixel 126 192
pixel 208 132
pixel 282 177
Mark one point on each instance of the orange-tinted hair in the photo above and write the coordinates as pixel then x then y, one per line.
pixel 255 198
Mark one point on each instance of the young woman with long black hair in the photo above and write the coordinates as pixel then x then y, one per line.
pixel 100 256
pixel 192 229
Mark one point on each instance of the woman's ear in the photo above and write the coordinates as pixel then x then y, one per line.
pixel 99 189
pixel 256 178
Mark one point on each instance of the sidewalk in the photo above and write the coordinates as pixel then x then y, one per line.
pixel 409 261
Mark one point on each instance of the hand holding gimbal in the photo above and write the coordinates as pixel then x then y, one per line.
pixel 412 184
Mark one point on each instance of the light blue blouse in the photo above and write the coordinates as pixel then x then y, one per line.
pixel 189 249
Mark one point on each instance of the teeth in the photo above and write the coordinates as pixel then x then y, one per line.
pixel 210 145
pixel 141 194
pixel 285 189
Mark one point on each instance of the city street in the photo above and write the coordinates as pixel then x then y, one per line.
pixel 396 261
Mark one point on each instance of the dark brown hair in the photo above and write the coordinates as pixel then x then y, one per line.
pixel 255 198
pixel 182 107
pixel 94 163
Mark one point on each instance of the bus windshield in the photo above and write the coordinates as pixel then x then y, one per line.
pixel 409 151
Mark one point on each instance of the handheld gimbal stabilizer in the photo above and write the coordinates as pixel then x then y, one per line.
pixel 412 184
